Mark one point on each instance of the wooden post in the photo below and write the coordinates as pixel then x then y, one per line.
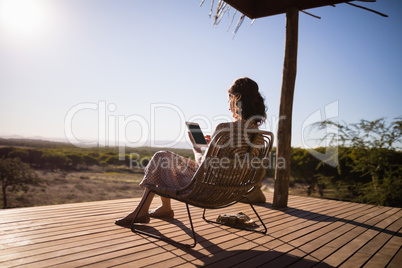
pixel 283 149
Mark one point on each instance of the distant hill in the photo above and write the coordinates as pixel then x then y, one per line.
pixel 34 143
pixel 46 144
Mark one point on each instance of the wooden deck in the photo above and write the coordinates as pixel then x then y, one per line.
pixel 310 232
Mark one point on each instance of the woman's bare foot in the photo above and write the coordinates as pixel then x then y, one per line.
pixel 126 221
pixel 161 213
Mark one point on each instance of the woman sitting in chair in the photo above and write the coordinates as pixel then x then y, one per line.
pixel 171 170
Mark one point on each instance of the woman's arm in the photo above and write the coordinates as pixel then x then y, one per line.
pixel 197 154
pixel 196 150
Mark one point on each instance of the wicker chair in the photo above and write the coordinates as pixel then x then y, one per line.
pixel 230 170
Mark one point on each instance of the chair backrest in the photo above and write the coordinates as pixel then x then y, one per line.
pixel 228 172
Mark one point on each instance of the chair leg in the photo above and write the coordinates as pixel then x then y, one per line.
pixel 192 227
pixel 136 230
pixel 241 227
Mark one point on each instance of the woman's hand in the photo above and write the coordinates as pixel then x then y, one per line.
pixel 208 138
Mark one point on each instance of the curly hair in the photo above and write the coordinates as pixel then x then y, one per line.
pixel 246 101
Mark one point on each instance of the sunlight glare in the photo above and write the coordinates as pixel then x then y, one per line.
pixel 22 17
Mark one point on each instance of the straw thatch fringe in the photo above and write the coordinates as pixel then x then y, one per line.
pixel 221 9
pixel 230 24
pixel 239 23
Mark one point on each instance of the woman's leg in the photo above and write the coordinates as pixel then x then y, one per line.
pixel 143 216
pixel 166 204
pixel 161 171
pixel 163 211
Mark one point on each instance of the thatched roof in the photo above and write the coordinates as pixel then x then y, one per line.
pixel 255 9
pixel 261 8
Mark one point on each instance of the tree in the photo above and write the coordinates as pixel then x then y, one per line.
pixel 17 175
pixel 304 169
pixel 19 153
pixel 54 160
pixel 374 147
pixel 75 159
pixel 35 157
pixel 90 160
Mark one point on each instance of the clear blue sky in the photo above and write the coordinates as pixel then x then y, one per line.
pixel 157 63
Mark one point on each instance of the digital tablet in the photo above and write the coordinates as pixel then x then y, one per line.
pixel 197 134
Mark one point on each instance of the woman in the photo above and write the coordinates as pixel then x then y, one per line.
pixel 171 170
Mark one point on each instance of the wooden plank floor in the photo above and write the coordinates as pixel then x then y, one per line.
pixel 309 233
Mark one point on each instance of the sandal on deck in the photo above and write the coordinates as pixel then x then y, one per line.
pixel 236 219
